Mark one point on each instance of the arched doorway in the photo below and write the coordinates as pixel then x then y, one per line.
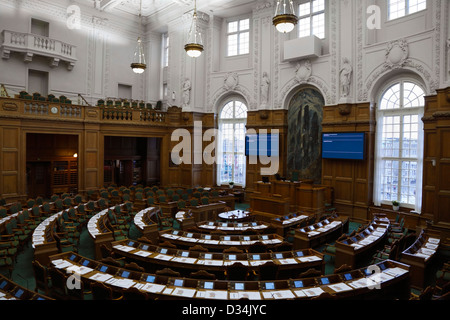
pixel 304 149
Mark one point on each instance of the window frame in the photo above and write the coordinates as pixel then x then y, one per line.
pixel 238 33
pixel 407 9
pixel 233 121
pixel 311 15
pixel 401 112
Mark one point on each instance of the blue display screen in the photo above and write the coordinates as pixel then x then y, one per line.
pixel 348 146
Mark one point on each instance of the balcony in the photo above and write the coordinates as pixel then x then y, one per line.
pixel 31 44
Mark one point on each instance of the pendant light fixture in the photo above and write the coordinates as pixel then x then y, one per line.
pixel 139 64
pixel 194 46
pixel 285 18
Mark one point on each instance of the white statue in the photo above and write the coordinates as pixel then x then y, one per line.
pixel 265 83
pixel 346 77
pixel 186 92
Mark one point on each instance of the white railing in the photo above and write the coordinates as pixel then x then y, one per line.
pixel 32 44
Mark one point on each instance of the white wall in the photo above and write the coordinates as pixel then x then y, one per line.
pixel 106 42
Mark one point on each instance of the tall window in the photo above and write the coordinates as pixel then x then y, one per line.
pixel 399 155
pixel 238 37
pixel 400 8
pixel 311 19
pixel 165 50
pixel 231 146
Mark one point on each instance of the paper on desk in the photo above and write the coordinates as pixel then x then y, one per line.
pixel 313 233
pixel 251 295
pixel 184 260
pixel 339 287
pixel 143 253
pixel 258 262
pixel 163 257
pixel 79 269
pixel 101 277
pixel 184 292
pixel 434 240
pixel 210 262
pixel 153 288
pixel 61 264
pixel 309 258
pixel 395 271
pixel 288 261
pixel 312 292
pixel 212 294
pixel 279 294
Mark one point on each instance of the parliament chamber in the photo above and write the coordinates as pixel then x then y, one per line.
pixel 273 168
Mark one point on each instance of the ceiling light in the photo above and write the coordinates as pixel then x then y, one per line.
pixel 194 46
pixel 285 18
pixel 138 65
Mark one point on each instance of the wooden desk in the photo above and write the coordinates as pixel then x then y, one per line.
pixel 152 258
pixel 321 232
pixel 13 291
pixel 352 251
pixel 184 239
pixel 207 211
pixel 144 222
pixel 185 220
pixel 99 232
pixel 233 227
pixel 274 205
pixel 235 215
pixel 419 256
pixel 311 198
pixel 264 188
pixel 391 283
pixel 287 222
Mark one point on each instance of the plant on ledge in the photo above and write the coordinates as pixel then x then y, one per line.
pixel 231 183
pixel 395 205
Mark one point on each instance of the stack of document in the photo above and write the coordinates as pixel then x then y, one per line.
pixel 61 263
pixel 122 283
pixel 309 259
pixel 100 277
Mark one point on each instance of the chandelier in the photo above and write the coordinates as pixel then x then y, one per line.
pixel 285 18
pixel 194 46
pixel 138 65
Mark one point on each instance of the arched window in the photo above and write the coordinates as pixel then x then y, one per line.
pixel 399 146
pixel 231 146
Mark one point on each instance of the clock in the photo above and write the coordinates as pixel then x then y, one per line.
pixel 54 110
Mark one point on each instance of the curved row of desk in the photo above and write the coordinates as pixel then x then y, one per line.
pixel 218 242
pixel 390 278
pixel 10 290
pixel 151 257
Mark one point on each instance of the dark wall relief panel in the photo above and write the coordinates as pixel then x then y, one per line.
pixel 305 116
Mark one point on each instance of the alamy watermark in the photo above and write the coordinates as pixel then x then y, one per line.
pixel 190 149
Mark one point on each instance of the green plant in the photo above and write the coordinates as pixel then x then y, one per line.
pixel 231 183
pixel 395 203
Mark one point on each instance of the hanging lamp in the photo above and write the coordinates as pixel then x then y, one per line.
pixel 285 18
pixel 138 65
pixel 194 46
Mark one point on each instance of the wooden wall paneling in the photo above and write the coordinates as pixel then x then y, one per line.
pixel 10 157
pixel 93 158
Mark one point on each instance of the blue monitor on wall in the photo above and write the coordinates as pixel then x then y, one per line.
pixel 262 145
pixel 346 146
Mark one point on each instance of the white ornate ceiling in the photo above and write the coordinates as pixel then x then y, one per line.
pixel 151 7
